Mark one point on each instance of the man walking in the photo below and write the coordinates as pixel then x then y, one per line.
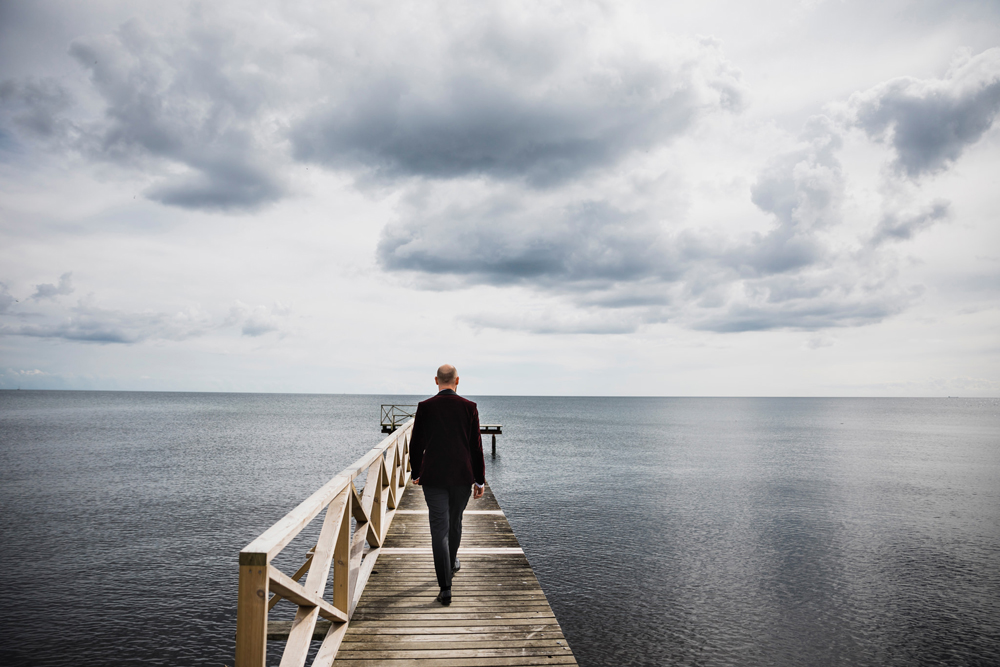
pixel 446 459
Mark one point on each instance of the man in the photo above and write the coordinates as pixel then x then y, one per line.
pixel 446 459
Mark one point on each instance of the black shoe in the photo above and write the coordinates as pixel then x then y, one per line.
pixel 444 597
pixel 457 566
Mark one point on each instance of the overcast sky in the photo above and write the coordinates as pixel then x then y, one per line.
pixel 717 198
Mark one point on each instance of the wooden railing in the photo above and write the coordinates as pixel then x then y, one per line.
pixel 388 470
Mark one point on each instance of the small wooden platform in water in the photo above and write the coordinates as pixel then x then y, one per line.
pixel 498 615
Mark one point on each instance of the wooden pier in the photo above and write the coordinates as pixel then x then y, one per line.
pixel 380 609
pixel 498 615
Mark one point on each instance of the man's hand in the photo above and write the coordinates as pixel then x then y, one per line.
pixel 477 492
pixel 416 480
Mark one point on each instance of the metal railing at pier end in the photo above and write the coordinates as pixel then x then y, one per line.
pixel 392 415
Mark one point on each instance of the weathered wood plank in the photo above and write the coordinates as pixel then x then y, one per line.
pixel 499 614
pixel 331 644
pixel 480 638
pixel 251 615
pixel 363 625
pixel 376 633
pixel 292 590
pixel 428 629
pixel 466 662
pixel 275 538
pixel 275 599
pixel 455 616
pixel 300 637
pixel 431 654
pixel 342 557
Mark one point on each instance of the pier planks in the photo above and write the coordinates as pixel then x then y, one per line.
pixel 498 615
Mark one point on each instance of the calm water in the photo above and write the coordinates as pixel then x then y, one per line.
pixel 664 531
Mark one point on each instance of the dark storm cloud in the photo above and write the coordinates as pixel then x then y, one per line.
pixel 535 97
pixel 49 291
pixel 185 107
pixel 497 104
pixel 931 122
pixel 219 184
pixel 503 241
pixel 600 249
pixel 189 101
pixel 619 269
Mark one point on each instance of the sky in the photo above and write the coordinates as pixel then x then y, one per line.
pixel 777 198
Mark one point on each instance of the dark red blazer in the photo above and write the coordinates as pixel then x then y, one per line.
pixel 445 446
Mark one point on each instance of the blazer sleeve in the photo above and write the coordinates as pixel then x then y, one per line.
pixel 476 450
pixel 416 446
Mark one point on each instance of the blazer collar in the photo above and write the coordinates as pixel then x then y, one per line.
pixel 447 392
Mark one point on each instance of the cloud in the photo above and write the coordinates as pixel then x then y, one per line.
pixel 930 122
pixel 556 322
pixel 183 105
pixel 256 321
pixel 220 184
pixel 207 108
pixel 540 100
pixel 617 269
pixel 188 99
pixel 6 299
pixel 514 138
pixel 50 291
pixel 502 239
pixel 37 107
pixel 89 322
pixel 903 225
pixel 802 189
pixel 847 296
pixel 43 316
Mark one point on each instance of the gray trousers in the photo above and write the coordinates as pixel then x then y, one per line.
pixel 445 505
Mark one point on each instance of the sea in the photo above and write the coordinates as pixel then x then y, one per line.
pixel 664 531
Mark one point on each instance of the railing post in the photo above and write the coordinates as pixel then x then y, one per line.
pixel 342 560
pixel 251 611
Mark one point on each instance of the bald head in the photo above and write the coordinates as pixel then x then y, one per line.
pixel 447 375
